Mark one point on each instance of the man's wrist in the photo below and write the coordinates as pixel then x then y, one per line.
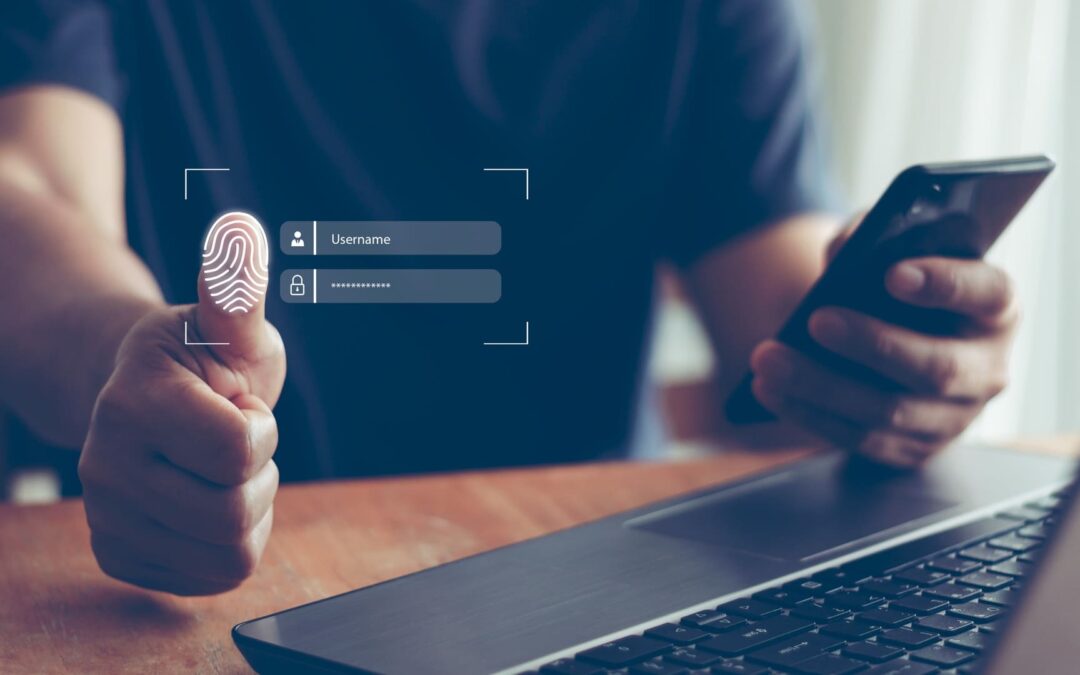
pixel 63 373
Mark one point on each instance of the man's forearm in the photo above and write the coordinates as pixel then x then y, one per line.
pixel 70 294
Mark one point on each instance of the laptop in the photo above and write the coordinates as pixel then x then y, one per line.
pixel 827 566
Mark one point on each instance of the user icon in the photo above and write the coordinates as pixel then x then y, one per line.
pixel 297 239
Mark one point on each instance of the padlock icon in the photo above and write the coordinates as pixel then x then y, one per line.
pixel 296 288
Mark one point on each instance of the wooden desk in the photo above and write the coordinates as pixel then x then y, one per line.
pixel 59 613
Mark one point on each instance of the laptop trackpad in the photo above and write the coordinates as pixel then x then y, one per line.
pixel 797 515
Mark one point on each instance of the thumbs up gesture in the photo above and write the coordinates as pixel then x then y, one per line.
pixel 177 474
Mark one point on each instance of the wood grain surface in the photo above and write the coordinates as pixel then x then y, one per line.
pixel 60 614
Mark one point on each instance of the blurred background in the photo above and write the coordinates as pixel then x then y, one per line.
pixel 913 81
pixel 903 82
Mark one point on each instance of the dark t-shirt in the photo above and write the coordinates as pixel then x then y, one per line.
pixel 652 130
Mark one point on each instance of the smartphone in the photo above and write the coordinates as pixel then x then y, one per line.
pixel 955 209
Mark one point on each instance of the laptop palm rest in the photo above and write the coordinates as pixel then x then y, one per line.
pixel 797 515
pixel 515 607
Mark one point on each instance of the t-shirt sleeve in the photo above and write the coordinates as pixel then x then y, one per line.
pixel 753 149
pixel 63 42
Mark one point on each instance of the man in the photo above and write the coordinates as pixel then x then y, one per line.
pixel 674 131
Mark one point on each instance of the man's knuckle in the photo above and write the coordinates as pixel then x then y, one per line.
pixel 954 426
pixel 946 284
pixel 882 343
pixel 1013 315
pixel 114 570
pixel 89 469
pixel 943 372
pixel 98 548
pixel 1004 290
pixel 998 382
pixel 95 519
pixel 871 444
pixel 895 412
pixel 111 561
pixel 241 559
pixel 115 408
pixel 925 449
pixel 235 514
pixel 237 452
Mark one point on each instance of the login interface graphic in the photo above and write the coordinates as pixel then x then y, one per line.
pixel 431 269
pixel 310 239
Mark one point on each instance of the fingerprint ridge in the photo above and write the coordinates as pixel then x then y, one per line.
pixel 236 259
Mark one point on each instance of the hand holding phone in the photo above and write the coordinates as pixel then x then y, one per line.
pixel 905 336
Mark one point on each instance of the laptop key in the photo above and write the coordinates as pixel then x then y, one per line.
pixel 952 592
pixel 853 599
pixel 920 576
pixel 905 637
pixel 751 609
pixel 786 654
pixel 841 577
pixel 985 580
pixel 624 651
pixel 886 617
pixel 786 597
pixel 694 658
pixel 1011 542
pixel 940 655
pixel 946 625
pixel 953 565
pixel 1046 503
pixel 871 651
pixel 889 589
pixel 979 612
pixel 1002 598
pixel 713 621
pixel 657 667
pixel 829 664
pixel 818 587
pixel 1034 532
pixel 919 604
pixel 755 635
pixel 899 557
pixel 818 612
pixel 984 553
pixel 571 667
pixel 850 630
pixel 974 641
pixel 676 634
pixel 739 668
pixel 901 667
pixel 1012 568
pixel 1025 513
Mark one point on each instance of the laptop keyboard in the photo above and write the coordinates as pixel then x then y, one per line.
pixel 928 606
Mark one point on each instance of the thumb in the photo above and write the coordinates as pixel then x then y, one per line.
pixel 232 287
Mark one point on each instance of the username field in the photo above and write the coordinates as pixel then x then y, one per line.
pixel 391 237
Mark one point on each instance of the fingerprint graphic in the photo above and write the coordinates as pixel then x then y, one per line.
pixel 235 261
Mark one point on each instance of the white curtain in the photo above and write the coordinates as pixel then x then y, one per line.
pixel 909 81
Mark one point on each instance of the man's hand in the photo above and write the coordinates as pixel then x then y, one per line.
pixel 946 380
pixel 177 473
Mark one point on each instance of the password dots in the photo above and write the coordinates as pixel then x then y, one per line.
pixel 359 284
